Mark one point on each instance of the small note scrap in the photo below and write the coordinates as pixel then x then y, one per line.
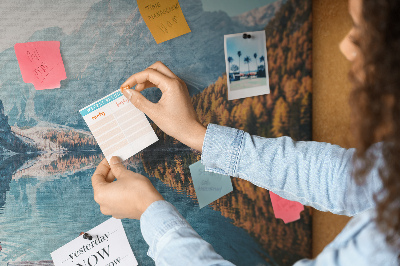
pixel 108 246
pixel 41 64
pixel 118 126
pixel 209 186
pixel 288 211
pixel 164 18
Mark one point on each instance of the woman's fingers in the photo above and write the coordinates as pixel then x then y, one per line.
pixel 160 67
pixel 149 77
pixel 140 102
pixel 140 86
pixel 143 86
pixel 159 80
pixel 110 177
pixel 100 175
pixel 118 169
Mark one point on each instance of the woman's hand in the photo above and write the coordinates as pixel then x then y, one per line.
pixel 128 196
pixel 174 113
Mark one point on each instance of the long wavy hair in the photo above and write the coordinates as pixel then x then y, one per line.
pixel 375 101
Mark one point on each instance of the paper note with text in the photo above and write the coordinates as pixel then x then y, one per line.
pixel 41 63
pixel 287 210
pixel 164 18
pixel 118 126
pixel 108 246
pixel 209 186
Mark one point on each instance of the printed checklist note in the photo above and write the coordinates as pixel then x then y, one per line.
pixel 118 126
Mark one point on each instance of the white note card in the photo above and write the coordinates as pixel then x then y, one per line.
pixel 118 126
pixel 109 247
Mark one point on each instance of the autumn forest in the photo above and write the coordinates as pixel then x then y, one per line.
pixel 286 111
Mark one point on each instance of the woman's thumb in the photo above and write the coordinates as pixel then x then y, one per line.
pixel 138 100
pixel 117 167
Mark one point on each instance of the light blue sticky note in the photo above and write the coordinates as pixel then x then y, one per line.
pixel 209 186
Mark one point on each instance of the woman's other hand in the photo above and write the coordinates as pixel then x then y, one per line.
pixel 128 196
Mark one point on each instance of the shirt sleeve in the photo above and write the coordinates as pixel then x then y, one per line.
pixel 359 243
pixel 312 173
pixel 172 241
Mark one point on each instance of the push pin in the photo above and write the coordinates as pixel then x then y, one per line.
pixel 86 236
pixel 246 36
pixel 125 88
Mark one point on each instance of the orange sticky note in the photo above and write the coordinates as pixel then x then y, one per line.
pixel 164 18
pixel 41 64
pixel 288 211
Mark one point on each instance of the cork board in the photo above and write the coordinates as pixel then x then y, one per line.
pixel 331 89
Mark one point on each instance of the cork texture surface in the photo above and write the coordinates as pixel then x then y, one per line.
pixel 331 89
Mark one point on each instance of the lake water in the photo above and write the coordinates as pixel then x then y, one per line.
pixel 40 214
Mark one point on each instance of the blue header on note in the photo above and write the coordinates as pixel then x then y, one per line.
pixel 100 103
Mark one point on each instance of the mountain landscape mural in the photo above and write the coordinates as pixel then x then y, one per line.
pixel 48 155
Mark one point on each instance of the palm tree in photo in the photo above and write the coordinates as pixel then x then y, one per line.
pixel 247 60
pixel 262 59
pixel 239 55
pixel 255 58
pixel 230 60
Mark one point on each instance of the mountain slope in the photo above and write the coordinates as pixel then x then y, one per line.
pixel 9 141
pixel 111 44
pixel 259 16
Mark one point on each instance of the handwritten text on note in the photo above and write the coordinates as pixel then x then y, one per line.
pixel 164 19
pixel 41 64
pixel 209 186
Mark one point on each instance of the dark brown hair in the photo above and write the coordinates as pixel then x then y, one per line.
pixel 376 107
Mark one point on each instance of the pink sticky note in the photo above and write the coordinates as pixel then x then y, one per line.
pixel 288 211
pixel 41 64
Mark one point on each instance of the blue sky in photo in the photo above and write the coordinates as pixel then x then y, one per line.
pixel 248 47
pixel 233 8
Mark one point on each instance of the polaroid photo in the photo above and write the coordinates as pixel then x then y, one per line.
pixel 246 64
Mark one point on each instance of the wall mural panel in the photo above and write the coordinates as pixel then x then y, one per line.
pixel 48 155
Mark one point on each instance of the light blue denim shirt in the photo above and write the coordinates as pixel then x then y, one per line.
pixel 312 173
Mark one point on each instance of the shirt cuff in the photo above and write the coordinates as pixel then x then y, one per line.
pixel 158 219
pixel 222 148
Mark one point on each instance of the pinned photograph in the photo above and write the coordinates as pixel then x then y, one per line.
pixel 246 64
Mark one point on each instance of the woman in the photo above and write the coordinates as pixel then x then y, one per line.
pixel 316 174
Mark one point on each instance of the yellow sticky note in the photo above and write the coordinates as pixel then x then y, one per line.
pixel 164 18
